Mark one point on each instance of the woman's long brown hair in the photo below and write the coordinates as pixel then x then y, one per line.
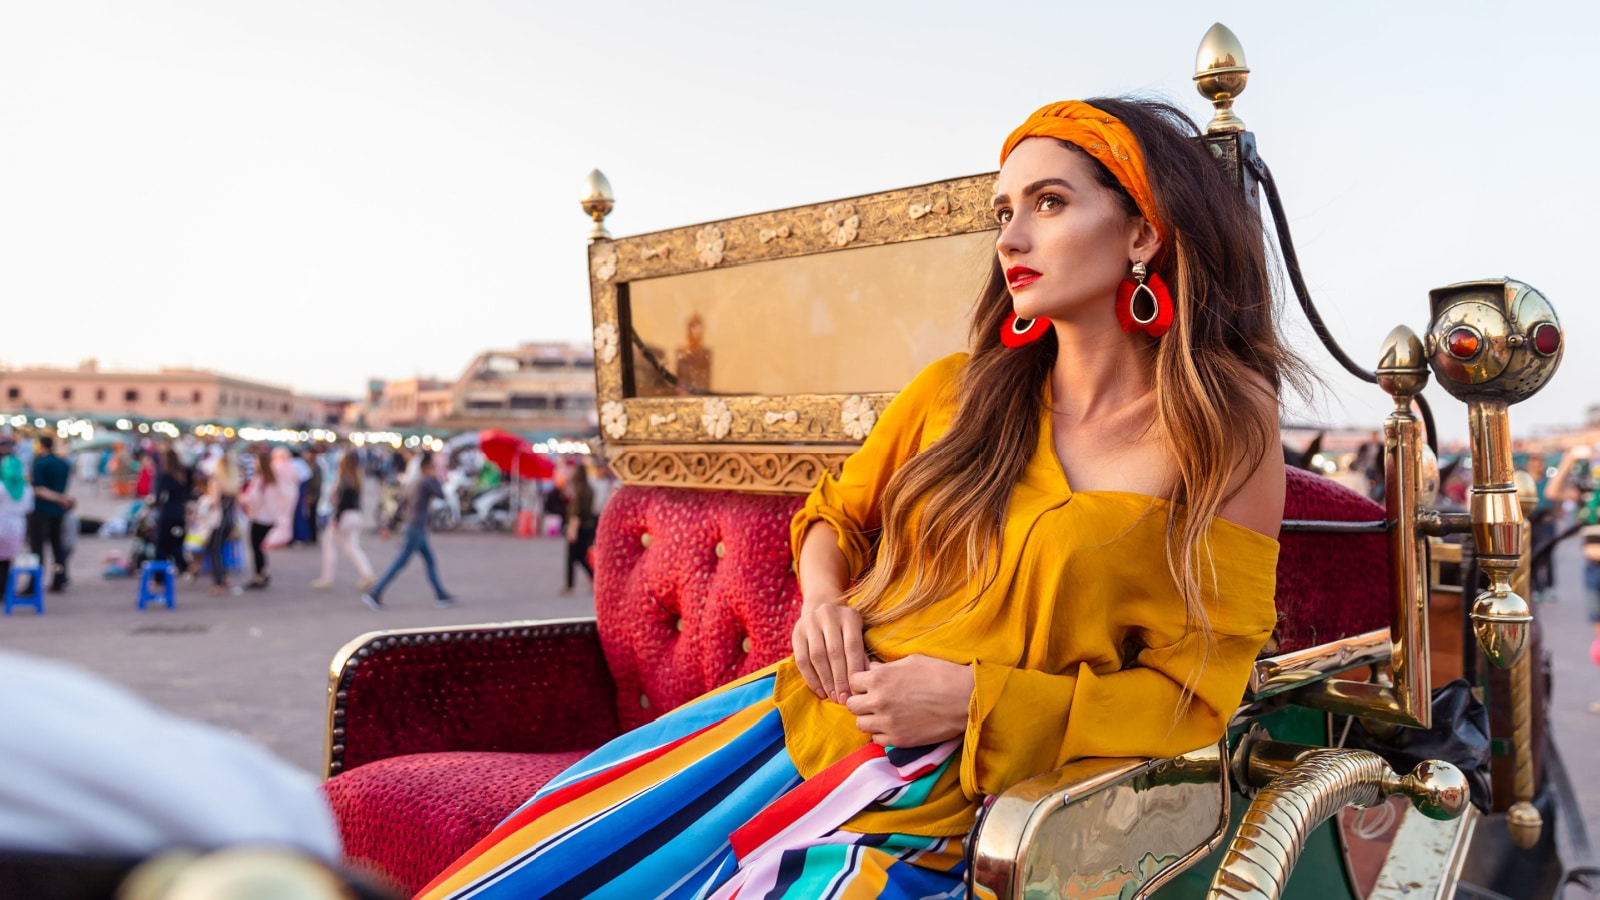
pixel 350 471
pixel 1216 375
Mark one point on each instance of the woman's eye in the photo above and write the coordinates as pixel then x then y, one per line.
pixel 1050 201
pixel 1002 216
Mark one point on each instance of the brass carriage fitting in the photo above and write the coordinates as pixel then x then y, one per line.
pixel 597 203
pixel 1220 74
pixel 1307 787
pixel 1403 373
pixel 1525 824
pixel 1493 343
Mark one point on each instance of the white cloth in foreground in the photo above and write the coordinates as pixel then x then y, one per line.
pixel 88 767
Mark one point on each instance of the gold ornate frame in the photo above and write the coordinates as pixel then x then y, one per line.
pixel 765 443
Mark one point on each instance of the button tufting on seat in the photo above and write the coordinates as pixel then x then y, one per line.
pixel 744 645
pixel 644 539
pixel 722 550
pixel 677 623
pixel 644 702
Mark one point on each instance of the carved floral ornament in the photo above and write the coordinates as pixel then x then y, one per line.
pixel 709 244
pixel 605 342
pixel 857 417
pixel 939 206
pixel 768 235
pixel 649 253
pixel 716 418
pixel 605 263
pixel 613 419
pixel 840 223
pixel 789 417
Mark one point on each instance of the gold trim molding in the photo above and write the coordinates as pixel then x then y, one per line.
pixel 941 209
pixel 752 468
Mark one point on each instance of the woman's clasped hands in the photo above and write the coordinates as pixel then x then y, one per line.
pixel 911 702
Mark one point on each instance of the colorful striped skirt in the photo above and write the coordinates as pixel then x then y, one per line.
pixel 705 803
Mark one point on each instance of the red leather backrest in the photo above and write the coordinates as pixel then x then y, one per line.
pixel 677 618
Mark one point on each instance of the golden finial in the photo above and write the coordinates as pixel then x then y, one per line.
pixel 597 202
pixel 1220 73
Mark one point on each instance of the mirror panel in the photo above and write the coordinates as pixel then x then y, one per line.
pixel 856 321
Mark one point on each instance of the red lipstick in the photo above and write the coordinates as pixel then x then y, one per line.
pixel 1020 277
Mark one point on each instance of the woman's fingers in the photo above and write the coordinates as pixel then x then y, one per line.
pixel 855 650
pixel 802 661
pixel 829 648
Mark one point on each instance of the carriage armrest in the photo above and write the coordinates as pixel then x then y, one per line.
pixel 1103 823
pixel 522 687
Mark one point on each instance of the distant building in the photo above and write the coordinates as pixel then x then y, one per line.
pixel 536 387
pixel 408 403
pixel 190 395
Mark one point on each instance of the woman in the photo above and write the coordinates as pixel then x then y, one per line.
pixel 171 500
pixel 580 526
pixel 1075 550
pixel 344 528
pixel 223 496
pixel 269 504
pixel 16 501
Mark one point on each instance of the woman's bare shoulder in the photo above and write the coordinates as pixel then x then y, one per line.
pixel 1255 493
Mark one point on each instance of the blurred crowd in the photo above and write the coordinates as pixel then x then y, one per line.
pixel 210 508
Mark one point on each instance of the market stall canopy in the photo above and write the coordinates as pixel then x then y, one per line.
pixel 514 455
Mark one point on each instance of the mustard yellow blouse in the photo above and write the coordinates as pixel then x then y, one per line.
pixel 1078 648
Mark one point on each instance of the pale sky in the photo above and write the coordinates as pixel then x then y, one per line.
pixel 314 193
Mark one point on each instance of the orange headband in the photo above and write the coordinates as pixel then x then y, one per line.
pixel 1102 136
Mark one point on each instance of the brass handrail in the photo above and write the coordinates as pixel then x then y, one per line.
pixel 1315 786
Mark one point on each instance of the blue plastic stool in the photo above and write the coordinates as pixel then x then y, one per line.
pixel 168 581
pixel 232 558
pixel 36 572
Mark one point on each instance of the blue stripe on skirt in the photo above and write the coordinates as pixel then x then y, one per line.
pixel 670 840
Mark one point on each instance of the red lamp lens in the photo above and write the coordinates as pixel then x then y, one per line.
pixel 1546 339
pixel 1462 343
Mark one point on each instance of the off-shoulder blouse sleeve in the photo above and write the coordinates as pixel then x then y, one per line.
pixel 850 502
pixel 1132 712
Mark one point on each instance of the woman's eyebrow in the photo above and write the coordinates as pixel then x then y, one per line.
pixel 1034 188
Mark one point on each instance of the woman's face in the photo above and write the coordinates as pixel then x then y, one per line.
pixel 1065 240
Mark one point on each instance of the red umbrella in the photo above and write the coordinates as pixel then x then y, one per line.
pixel 514 456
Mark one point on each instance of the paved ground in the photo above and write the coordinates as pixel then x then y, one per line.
pixel 257 663
pixel 1576 682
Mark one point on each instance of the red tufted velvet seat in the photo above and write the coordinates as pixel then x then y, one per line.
pixel 442 739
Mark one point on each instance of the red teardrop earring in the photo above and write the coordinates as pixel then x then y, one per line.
pixel 1144 303
pixel 1015 332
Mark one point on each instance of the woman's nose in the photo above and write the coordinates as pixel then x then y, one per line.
pixel 1013 239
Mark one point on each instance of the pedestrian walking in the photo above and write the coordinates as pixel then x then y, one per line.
pixel 343 533
pixel 50 505
pixel 171 500
pixel 269 504
pixel 1563 487
pixel 305 515
pixel 223 494
pixel 1542 524
pixel 16 501
pixel 580 526
pixel 420 494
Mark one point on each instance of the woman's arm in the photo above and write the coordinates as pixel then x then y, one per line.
pixel 828 644
pixel 831 537
pixel 1561 486
pixel 1138 711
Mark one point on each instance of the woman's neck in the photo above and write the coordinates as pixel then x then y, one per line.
pixel 1099 370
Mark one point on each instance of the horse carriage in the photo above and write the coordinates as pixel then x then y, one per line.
pixel 1393 737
